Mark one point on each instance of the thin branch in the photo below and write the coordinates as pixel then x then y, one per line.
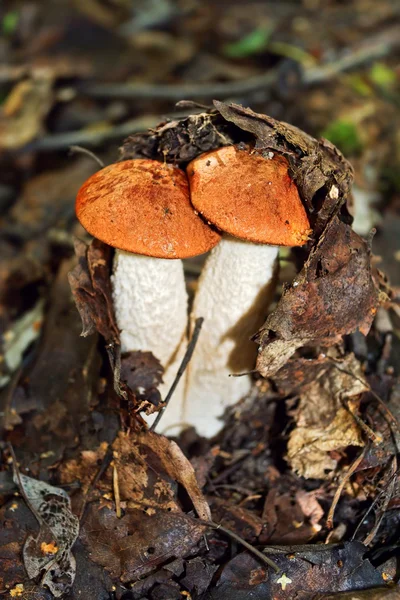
pixel 389 490
pixel 105 463
pixel 82 150
pixel 394 420
pixel 374 48
pixel 182 368
pixel 241 541
pixel 338 493
pixel 374 503
pixel 82 137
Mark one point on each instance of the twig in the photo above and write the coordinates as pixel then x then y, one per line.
pixel 375 438
pixel 116 493
pixel 82 150
pixel 372 49
pixel 388 490
pixel 182 368
pixel 394 420
pixel 82 137
pixel 345 479
pixel 101 470
pixel 231 469
pixel 241 541
pixel 374 503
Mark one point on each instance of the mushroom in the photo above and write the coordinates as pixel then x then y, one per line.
pixel 142 208
pixel 249 196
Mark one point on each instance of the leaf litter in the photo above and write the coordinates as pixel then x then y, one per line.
pixel 48 554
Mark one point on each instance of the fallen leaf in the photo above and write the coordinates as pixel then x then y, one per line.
pixel 23 112
pixel 91 288
pixel 178 467
pixel 323 423
pixel 332 296
pixel 137 543
pixel 142 373
pixel 59 529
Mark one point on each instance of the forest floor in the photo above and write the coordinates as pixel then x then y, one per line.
pixel 306 468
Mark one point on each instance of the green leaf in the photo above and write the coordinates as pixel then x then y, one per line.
pixel 382 76
pixel 253 43
pixel 345 136
pixel 10 22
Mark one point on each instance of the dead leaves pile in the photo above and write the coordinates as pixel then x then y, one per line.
pixel 143 478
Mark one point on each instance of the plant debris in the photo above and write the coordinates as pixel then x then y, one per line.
pixel 49 553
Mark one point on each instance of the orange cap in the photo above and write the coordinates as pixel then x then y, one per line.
pixel 142 206
pixel 248 196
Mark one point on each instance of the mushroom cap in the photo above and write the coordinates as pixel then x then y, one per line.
pixel 143 206
pixel 248 196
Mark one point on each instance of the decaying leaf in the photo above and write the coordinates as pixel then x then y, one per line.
pixel 160 456
pixel 49 553
pixel 22 114
pixel 332 296
pixel 142 373
pixel 91 288
pixel 149 468
pixel 139 542
pixel 323 420
pixel 290 515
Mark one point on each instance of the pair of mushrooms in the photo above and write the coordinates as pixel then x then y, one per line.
pixel 233 201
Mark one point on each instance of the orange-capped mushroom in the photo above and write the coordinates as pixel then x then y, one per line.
pixel 142 208
pixel 249 196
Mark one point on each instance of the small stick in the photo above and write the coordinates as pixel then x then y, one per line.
pixel 389 489
pixel 116 492
pixel 374 503
pixel 182 368
pixel 394 420
pixel 241 541
pixel 353 467
pixel 101 470
pixel 82 150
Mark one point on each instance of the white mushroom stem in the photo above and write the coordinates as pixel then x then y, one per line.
pixel 234 291
pixel 150 302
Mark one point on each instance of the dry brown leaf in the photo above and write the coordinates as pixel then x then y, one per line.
pixel 323 423
pixel 178 467
pixel 138 543
pixel 332 296
pixel 91 288
pixel 23 112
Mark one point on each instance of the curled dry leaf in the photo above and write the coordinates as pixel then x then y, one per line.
pixel 91 288
pixel 332 296
pixel 149 467
pixel 168 459
pixel 49 553
pixel 23 112
pixel 323 422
